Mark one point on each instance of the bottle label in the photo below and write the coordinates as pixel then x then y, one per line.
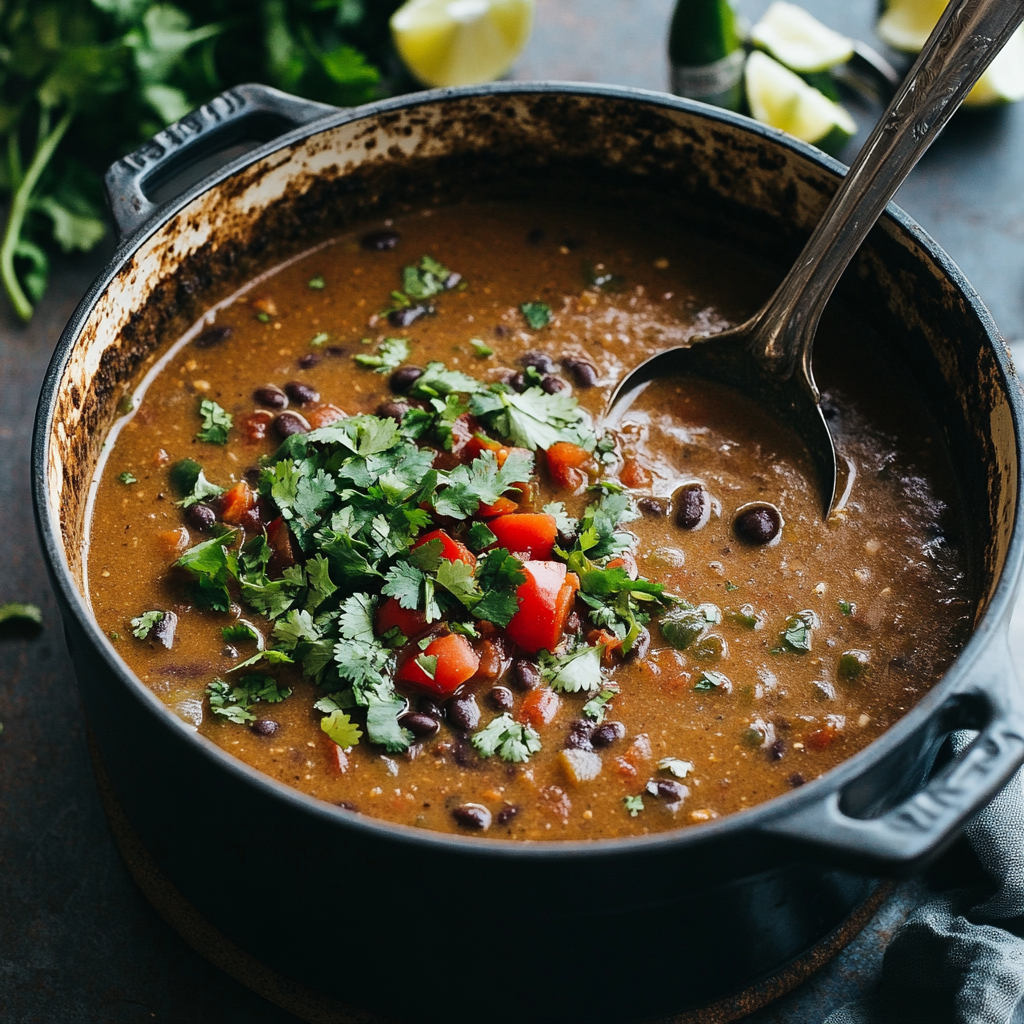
pixel 707 81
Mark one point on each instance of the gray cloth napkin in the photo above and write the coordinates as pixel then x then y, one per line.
pixel 959 959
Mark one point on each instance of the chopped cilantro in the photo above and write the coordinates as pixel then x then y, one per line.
pixel 438 381
pixel 746 616
pixel 200 489
pixel 145 622
pixel 675 766
pixel 499 575
pixel 427 278
pixel 847 607
pixel 241 631
pixel 729 586
pixel 633 804
pixel 533 419
pixel 511 740
pixel 796 634
pixel 234 702
pixel 319 339
pixel 212 564
pixel 127 478
pixel 538 314
pixel 576 670
pixel 318 284
pixel 604 450
pixel 481 536
pixel 216 423
pixel 480 349
pixel 596 707
pixel 564 523
pixel 340 727
pixel 391 353
pixel 264 318
pixel 14 610
pixel 713 681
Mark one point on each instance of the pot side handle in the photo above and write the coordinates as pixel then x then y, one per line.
pixel 237 120
pixel 904 838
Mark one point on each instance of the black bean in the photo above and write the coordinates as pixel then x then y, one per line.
pixel 310 359
pixel 472 816
pixel 407 315
pixel 641 645
pixel 758 524
pixel 500 331
pixel 163 630
pixel 265 726
pixel 525 674
pixel 501 697
pixel 419 725
pixel 653 506
pixel 464 754
pixel 380 240
pixel 393 410
pixel 200 516
pixel 584 373
pixel 580 731
pixel 540 361
pixel 463 712
pixel 507 813
pixel 288 423
pixel 691 505
pixel 271 396
pixel 213 336
pixel 536 236
pixel 552 385
pixel 335 350
pixel 403 378
pixel 429 706
pixel 301 394
pixel 796 779
pixel 670 790
pixel 777 751
pixel 518 382
pixel 607 734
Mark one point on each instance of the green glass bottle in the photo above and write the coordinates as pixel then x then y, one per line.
pixel 705 49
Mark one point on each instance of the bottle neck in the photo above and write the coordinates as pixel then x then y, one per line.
pixel 717 83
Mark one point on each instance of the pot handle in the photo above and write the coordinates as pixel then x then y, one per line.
pixel 902 839
pixel 244 114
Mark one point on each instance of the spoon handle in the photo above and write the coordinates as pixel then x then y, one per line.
pixel 965 41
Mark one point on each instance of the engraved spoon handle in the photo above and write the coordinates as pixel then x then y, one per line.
pixel 963 44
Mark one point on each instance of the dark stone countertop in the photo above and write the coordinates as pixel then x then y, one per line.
pixel 78 943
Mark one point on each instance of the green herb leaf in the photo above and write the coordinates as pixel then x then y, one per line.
pixel 633 804
pixel 538 314
pixel 317 283
pixel 847 607
pixel 391 353
pixel 145 622
pixel 216 423
pixel 675 766
pixel 597 706
pixel 509 739
pixel 340 727
pixel 578 669
pixel 713 682
pixel 127 478
pixel 796 635
pixel 480 349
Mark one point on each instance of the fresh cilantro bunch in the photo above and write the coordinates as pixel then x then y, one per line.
pixel 82 82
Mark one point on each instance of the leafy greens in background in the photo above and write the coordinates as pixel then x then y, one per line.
pixel 82 82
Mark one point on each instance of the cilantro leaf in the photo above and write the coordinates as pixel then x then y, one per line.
pixel 437 382
pixel 499 575
pixel 142 625
pixel 216 423
pixel 234 702
pixel 713 682
pixel 633 804
pixel 564 523
pixel 480 349
pixel 511 740
pixel 212 564
pixel 480 536
pixel 127 478
pixel 340 728
pixel 596 707
pixel 391 353
pixel 796 634
pixel 200 490
pixel 675 766
pixel 538 314
pixel 578 669
pixel 533 419
pixel 241 631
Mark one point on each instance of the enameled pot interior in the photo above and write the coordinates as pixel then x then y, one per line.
pixel 740 181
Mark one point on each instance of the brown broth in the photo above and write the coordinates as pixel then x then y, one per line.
pixel 885 552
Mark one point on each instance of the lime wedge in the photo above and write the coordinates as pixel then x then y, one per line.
pixel 798 40
pixel 461 42
pixel 906 24
pixel 782 99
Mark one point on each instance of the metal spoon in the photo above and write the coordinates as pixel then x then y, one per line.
pixel 769 356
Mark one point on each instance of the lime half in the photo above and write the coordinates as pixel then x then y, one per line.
pixel 906 24
pixel 461 42
pixel 782 99
pixel 798 40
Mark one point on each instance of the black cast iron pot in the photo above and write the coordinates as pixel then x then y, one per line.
pixel 429 927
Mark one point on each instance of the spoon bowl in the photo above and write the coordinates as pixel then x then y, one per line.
pixel 768 358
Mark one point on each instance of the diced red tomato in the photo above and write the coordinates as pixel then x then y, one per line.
pixel 324 415
pixel 280 540
pixel 456 662
pixel 612 645
pixel 464 429
pixel 635 474
pixel 254 427
pixel 410 621
pixel 502 507
pixel 533 533
pixel 545 601
pixel 822 739
pixel 539 707
pixel 236 502
pixel 451 550
pixel 173 542
pixel 567 464
pixel 625 561
pixel 478 444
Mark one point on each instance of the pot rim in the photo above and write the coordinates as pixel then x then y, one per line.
pixel 992 623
